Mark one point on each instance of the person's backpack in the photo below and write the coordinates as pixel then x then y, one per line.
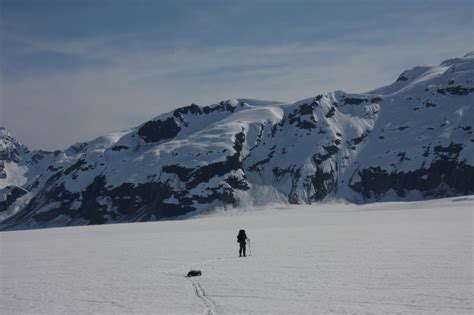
pixel 194 273
pixel 241 237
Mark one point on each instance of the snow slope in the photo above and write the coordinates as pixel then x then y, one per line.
pixel 411 140
pixel 398 257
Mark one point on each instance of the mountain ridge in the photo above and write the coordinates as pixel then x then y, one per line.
pixel 409 140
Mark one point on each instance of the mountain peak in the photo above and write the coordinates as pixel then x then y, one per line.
pixel 415 77
pixel 469 54
pixel 10 148
pixel 4 132
pixel 410 140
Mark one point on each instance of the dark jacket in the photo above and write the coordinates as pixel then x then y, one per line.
pixel 241 237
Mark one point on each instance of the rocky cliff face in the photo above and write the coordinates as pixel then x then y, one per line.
pixel 409 140
pixel 11 174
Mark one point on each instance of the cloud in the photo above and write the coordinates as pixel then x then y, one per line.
pixel 113 82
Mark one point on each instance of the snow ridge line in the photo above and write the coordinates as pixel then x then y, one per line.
pixel 201 294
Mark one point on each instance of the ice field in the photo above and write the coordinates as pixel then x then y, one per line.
pixel 338 258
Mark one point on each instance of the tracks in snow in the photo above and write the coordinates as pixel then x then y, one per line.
pixel 201 294
pixel 210 305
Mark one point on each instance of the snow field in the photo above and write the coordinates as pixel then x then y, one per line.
pixel 389 257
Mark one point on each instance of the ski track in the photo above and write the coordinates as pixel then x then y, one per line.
pixel 104 302
pixel 209 304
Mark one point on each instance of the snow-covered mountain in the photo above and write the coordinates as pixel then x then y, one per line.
pixel 406 141
pixel 11 173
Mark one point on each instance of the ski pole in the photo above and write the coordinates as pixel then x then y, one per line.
pixel 250 249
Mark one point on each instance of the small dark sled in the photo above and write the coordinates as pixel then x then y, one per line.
pixel 194 273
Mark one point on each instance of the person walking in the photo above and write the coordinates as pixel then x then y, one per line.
pixel 242 240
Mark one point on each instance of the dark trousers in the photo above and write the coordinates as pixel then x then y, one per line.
pixel 242 248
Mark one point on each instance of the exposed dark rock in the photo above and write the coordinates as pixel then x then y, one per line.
pixel 76 166
pixel 62 200
pixel 239 142
pixel 330 151
pixel 293 199
pixel 3 172
pixel 295 175
pixel 157 130
pixel 12 155
pixel 278 126
pixel 119 148
pixel 451 152
pixel 361 137
pixel 182 172
pixel 304 124
pixel 206 172
pixel 323 183
pixel 259 137
pixel 194 176
pixel 402 156
pixel 8 195
pixel 193 109
pixel 354 101
pixel 426 153
pixel 402 78
pixel 237 183
pixel 226 106
pixel 376 100
pixel 303 116
pixel 458 176
pixel 459 90
pixel 77 148
pixel 456 90
pixel 331 112
pixel 52 168
pixel 38 156
pixel 305 109
pixel 255 167
pixel 128 202
pixel 221 193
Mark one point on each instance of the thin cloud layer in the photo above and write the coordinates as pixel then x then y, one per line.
pixel 57 90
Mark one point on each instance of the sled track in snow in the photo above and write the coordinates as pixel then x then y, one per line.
pixel 201 294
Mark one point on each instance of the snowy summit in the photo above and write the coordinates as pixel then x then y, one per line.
pixel 410 140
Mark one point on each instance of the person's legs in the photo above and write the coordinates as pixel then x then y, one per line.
pixel 243 244
pixel 241 249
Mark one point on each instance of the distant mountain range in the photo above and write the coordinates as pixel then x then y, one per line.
pixel 410 140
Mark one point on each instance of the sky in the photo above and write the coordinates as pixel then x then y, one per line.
pixel 74 70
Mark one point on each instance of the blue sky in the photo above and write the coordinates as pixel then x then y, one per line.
pixel 74 70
